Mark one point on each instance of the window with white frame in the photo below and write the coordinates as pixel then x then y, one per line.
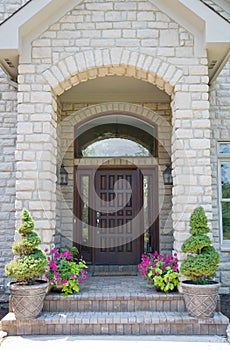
pixel 224 189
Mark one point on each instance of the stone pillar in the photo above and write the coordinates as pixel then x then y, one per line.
pixel 36 152
pixel 8 121
pixel 190 153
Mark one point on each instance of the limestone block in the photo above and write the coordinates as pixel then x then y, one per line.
pixel 169 38
pixel 41 52
pixel 41 97
pixel 182 100
pixel 200 144
pixel 225 278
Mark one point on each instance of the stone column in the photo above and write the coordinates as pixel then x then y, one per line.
pixel 36 151
pixel 190 152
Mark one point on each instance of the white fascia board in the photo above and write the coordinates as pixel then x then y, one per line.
pixel 9 30
pixel 217 29
pixel 186 18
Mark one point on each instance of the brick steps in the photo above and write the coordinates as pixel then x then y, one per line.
pixel 115 306
pixel 102 302
pixel 126 323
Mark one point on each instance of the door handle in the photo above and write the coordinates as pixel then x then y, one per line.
pixel 98 218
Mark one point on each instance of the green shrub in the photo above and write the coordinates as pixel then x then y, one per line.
pixel 202 262
pixel 31 261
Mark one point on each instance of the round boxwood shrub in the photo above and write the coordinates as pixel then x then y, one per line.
pixel 30 260
pixel 202 260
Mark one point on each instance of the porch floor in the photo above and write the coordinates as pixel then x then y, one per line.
pixel 116 285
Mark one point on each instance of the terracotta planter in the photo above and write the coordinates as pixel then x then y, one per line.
pixel 27 300
pixel 200 300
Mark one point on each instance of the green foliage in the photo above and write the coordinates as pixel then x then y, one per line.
pixel 167 281
pixel 202 262
pixel 27 223
pixel 27 266
pixel 31 261
pixel 199 222
pixel 27 245
pixel 195 243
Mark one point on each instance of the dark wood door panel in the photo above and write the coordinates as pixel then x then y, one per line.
pixel 118 202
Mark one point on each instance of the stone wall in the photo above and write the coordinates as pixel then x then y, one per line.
pixel 8 7
pixel 8 124
pixel 132 39
pixel 220 113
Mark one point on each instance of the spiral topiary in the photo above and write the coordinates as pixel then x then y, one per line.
pixel 202 262
pixel 31 261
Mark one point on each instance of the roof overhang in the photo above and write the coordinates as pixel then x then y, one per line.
pixel 210 31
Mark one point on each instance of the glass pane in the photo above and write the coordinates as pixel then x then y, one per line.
pixel 85 209
pixel 225 179
pixel 225 148
pixel 147 213
pixel 114 147
pixel 226 220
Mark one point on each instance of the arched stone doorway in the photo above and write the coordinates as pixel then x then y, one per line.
pixel 95 176
pixel 116 205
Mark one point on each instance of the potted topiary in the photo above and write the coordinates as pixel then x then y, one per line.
pixel 27 293
pixel 200 291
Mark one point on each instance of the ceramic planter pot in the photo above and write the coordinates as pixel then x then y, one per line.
pixel 200 300
pixel 27 300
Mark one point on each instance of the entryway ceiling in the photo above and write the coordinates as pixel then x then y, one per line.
pixel 113 89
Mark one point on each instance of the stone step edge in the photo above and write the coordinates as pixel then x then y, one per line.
pixel 137 317
pixel 112 297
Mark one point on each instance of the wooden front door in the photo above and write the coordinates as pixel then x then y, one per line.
pixel 114 209
pixel 118 201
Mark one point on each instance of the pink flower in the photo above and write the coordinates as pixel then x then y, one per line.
pixel 46 250
pixel 56 274
pixel 79 280
pixel 84 277
pixel 54 250
pixel 49 258
pixel 52 281
pixel 67 255
pixel 58 281
pixel 64 281
pixel 82 271
pixel 46 275
pixel 72 275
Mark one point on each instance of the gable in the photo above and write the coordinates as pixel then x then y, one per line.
pixel 38 15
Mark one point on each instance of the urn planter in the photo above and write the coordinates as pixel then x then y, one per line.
pixel 27 300
pixel 200 300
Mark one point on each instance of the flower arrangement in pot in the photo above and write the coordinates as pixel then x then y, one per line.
pixel 65 270
pixel 160 270
pixel 27 291
pixel 200 290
